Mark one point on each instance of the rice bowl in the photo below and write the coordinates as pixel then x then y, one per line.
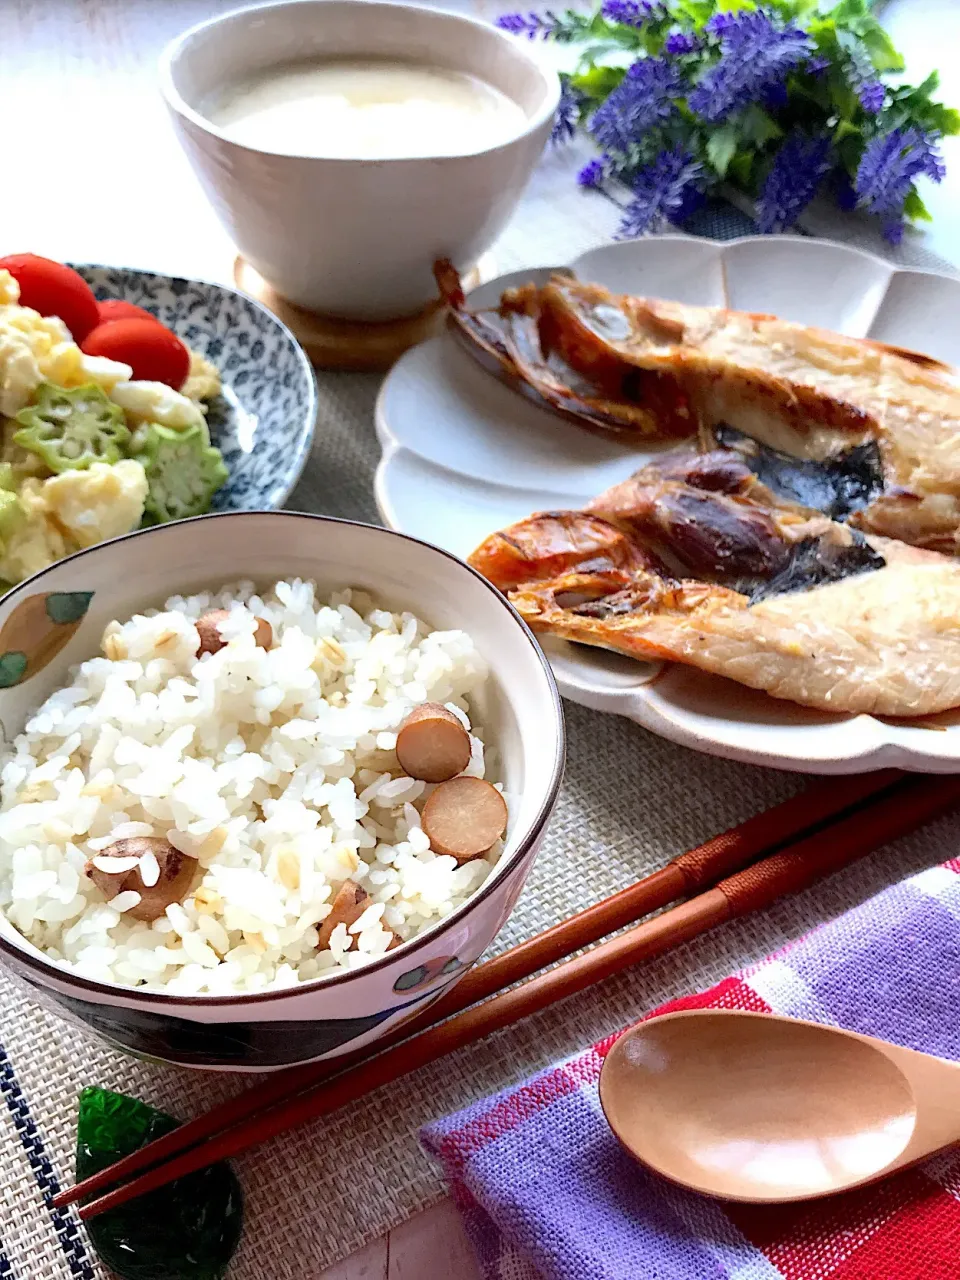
pixel 275 769
pixel 56 621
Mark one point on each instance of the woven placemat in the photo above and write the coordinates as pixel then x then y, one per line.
pixel 630 802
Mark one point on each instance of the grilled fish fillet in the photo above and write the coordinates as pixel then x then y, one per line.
pixel 692 566
pixel 811 394
pixel 882 424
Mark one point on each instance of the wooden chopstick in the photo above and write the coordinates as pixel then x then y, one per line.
pixel 800 864
pixel 685 875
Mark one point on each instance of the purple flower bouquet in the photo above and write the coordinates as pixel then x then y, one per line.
pixel 781 101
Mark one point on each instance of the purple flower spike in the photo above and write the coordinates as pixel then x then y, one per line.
pixel 721 22
pixel 757 55
pixel 530 24
pixel 800 166
pixel 632 13
pixel 568 115
pixel 641 100
pixel 518 24
pixel 681 42
pixel 661 191
pixel 593 174
pixel 872 96
pixel 817 66
pixel 889 166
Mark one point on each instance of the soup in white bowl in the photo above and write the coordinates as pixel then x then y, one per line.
pixel 369 109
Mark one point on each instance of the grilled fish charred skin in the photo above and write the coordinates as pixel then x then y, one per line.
pixel 795 605
pixel 509 340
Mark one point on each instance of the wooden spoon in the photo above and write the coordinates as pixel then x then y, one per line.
pixel 749 1106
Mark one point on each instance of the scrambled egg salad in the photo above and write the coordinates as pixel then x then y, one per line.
pixel 88 451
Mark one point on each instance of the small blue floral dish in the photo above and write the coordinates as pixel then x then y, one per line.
pixel 264 419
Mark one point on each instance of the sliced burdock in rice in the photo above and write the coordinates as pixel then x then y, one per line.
pixel 351 902
pixel 211 641
pixel 432 744
pixel 464 818
pixel 148 866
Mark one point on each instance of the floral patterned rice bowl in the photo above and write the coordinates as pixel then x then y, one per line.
pixel 57 619
pixel 263 422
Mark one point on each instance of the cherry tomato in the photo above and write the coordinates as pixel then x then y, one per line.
pixel 153 352
pixel 54 290
pixel 117 309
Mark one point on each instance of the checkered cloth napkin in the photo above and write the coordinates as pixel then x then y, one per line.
pixel 546 1192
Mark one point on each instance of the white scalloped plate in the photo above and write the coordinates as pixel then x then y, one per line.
pixel 464 454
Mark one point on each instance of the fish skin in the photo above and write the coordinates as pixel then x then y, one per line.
pixel 838 486
pixel 883 642
pixel 708 517
pixel 507 341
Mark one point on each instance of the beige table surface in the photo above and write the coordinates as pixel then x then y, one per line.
pixel 77 97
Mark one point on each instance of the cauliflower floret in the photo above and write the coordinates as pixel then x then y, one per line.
pixel 156 402
pixel 32 347
pixel 9 289
pixel 67 366
pixel 203 380
pixel 105 373
pixel 36 348
pixel 19 373
pixel 41 332
pixel 99 503
pixel 72 510
pixel 36 542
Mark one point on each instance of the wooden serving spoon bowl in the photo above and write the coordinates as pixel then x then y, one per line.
pixel 750 1106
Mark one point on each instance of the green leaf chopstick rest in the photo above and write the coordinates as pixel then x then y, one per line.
pixel 188 1230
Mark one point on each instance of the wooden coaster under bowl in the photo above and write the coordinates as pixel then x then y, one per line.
pixel 358 346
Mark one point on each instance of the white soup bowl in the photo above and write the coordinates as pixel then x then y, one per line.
pixel 349 237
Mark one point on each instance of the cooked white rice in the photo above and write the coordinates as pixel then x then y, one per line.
pixel 275 768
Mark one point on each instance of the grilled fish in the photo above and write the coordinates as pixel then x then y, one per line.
pixel 687 562
pixel 508 340
pixel 812 412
